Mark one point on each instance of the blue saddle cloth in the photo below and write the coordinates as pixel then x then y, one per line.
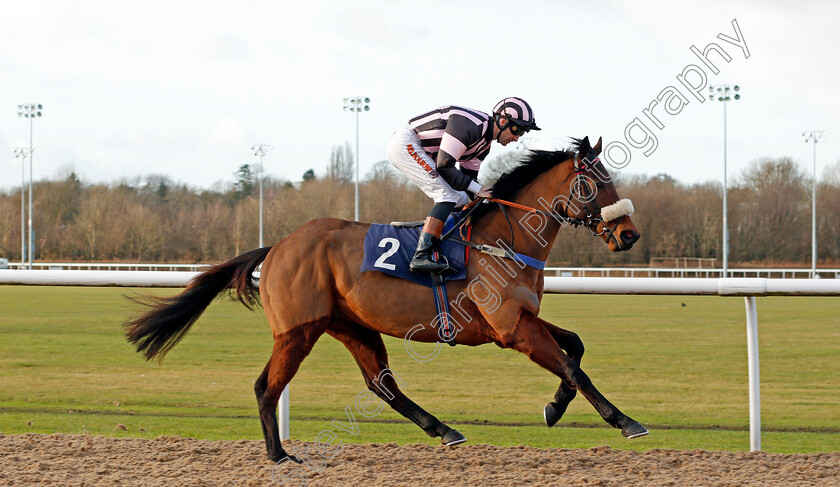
pixel 389 249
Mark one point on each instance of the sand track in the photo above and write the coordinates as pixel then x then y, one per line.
pixel 77 460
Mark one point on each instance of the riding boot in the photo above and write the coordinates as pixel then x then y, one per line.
pixel 427 244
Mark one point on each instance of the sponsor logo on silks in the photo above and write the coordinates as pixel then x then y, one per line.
pixel 425 165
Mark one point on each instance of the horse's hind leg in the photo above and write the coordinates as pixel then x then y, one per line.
pixel 573 346
pixel 532 338
pixel 369 351
pixel 290 349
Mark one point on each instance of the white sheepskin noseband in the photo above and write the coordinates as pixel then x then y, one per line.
pixel 618 209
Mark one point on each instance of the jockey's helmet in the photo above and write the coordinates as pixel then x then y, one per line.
pixel 517 111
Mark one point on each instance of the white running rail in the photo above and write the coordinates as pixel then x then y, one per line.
pixel 749 288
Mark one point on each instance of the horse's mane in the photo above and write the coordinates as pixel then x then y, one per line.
pixel 532 166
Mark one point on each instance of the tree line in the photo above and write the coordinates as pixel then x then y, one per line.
pixel 153 219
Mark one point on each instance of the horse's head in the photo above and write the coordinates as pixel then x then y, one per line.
pixel 594 202
pixel 568 187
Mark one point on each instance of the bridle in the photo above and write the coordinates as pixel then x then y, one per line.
pixel 592 218
pixel 593 208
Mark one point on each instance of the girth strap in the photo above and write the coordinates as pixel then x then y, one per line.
pixel 446 329
pixel 500 252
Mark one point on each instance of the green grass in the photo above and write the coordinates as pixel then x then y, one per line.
pixel 681 370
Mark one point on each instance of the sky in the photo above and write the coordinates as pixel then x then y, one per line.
pixel 185 88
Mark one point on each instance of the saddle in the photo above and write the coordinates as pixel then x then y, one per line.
pixel 418 223
pixel 389 249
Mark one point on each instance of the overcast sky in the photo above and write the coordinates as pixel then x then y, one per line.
pixel 185 88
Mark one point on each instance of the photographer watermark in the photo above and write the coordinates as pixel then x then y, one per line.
pixel 671 101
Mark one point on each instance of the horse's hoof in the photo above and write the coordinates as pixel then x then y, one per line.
pixel 552 414
pixel 452 438
pixel 286 458
pixel 635 430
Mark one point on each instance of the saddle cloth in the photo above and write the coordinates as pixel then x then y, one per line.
pixel 389 249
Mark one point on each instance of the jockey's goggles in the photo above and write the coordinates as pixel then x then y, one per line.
pixel 517 130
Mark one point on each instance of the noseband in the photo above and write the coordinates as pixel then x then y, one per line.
pixel 594 212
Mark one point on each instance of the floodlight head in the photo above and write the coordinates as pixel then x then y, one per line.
pixel 737 96
pixel 367 108
pixel 367 100
pixel 737 87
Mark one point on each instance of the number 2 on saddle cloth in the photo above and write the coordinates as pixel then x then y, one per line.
pixel 389 249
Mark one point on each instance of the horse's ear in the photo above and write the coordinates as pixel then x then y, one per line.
pixel 597 148
pixel 584 146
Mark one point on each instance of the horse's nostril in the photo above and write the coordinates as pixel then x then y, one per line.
pixel 629 237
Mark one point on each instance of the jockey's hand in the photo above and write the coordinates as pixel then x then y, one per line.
pixel 484 193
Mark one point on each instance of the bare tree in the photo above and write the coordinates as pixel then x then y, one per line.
pixel 828 215
pixel 143 238
pixel 383 172
pixel 153 218
pixel 90 222
pixel 341 166
pixel 771 213
pixel 10 226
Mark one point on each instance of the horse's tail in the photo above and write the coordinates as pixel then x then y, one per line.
pixel 169 319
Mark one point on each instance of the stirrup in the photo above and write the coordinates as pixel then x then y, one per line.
pixel 447 270
pixel 444 270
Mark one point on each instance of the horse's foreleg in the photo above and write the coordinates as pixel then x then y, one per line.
pixel 290 349
pixel 531 337
pixel 367 348
pixel 573 346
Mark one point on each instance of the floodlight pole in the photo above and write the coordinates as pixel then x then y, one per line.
pixel 30 111
pixel 357 104
pixel 22 153
pixel 722 93
pixel 261 150
pixel 814 136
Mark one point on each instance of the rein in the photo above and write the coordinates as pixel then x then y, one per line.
pixel 506 253
pixel 593 217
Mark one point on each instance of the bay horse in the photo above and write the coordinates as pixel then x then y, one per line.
pixel 310 284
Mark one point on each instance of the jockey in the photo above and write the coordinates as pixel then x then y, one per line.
pixel 427 148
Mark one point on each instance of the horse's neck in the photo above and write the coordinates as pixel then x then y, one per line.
pixel 533 234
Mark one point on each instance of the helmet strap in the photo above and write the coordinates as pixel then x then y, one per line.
pixel 496 119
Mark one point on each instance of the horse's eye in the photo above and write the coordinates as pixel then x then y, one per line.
pixel 599 185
